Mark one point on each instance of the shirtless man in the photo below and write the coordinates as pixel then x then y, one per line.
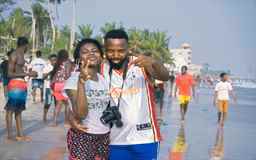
pixel 17 89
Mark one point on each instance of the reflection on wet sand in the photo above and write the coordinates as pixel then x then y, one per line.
pixel 217 152
pixel 179 147
pixel 57 153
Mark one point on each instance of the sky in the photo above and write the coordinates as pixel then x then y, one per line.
pixel 221 32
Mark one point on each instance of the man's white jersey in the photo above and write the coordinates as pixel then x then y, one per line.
pixel 137 105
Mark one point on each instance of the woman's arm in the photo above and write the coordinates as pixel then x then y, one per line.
pixel 74 118
pixel 78 100
pixel 81 99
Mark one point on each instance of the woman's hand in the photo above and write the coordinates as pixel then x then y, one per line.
pixel 76 124
pixel 84 74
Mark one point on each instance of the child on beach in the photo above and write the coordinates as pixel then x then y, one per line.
pixel 221 97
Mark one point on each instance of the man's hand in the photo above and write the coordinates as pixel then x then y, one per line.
pixel 145 62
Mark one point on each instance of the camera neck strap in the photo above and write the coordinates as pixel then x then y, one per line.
pixel 125 69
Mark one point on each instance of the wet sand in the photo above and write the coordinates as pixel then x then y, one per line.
pixel 199 138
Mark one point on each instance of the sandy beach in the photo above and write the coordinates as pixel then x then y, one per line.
pixel 195 142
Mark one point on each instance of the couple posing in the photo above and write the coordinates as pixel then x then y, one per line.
pixel 112 114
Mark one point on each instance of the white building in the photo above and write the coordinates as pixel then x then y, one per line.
pixel 195 69
pixel 182 56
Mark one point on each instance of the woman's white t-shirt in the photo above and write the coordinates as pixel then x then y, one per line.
pixel 98 98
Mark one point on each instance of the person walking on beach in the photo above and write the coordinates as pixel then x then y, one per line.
pixel 38 64
pixel 60 73
pixel 197 87
pixel 184 84
pixel 48 92
pixel 131 88
pixel 88 91
pixel 221 97
pixel 17 89
pixel 172 82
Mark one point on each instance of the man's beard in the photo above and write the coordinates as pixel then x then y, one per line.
pixel 117 65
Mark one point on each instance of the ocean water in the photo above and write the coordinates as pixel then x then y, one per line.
pixel 201 132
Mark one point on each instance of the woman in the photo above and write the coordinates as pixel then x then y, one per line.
pixel 60 73
pixel 88 91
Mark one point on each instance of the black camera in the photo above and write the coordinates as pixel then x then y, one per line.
pixel 112 116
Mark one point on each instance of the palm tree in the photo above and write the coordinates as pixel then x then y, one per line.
pixel 62 38
pixel 56 2
pixel 73 24
pixel 110 26
pixel 52 3
pixel 135 40
pixel 153 44
pixel 41 24
pixel 17 24
pixel 85 31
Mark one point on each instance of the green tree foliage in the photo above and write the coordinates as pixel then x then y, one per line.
pixel 62 39
pixel 43 31
pixel 19 23
pixel 110 26
pixel 85 31
pixel 153 43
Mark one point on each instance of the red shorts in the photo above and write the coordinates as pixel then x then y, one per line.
pixel 58 91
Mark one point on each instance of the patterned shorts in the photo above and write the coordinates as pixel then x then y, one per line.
pixel 86 146
pixel 17 95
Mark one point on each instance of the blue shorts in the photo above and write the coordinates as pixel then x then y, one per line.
pixel 147 151
pixel 37 83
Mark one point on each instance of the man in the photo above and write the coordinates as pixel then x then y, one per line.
pixel 131 89
pixel 48 93
pixel 221 97
pixel 184 83
pixel 38 65
pixel 17 89
pixel 4 69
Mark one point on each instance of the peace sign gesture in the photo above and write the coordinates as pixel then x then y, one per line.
pixel 84 73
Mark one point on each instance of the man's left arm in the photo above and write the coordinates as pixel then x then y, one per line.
pixel 159 71
pixel 154 68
